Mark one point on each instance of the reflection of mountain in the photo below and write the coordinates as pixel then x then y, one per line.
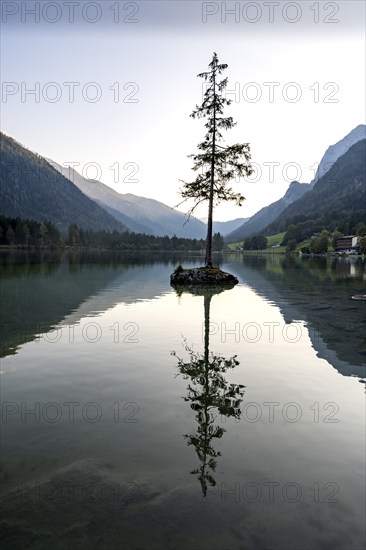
pixel 129 285
pixel 37 296
pixel 209 394
pixel 317 291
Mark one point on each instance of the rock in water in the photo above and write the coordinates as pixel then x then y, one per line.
pixel 201 275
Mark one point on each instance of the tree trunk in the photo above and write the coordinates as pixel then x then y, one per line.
pixel 208 261
pixel 207 302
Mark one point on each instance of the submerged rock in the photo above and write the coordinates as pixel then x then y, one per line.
pixel 202 275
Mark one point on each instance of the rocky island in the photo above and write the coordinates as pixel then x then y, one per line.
pixel 201 275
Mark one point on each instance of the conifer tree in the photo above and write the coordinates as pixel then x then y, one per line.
pixel 218 164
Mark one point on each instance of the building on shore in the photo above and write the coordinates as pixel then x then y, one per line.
pixel 347 244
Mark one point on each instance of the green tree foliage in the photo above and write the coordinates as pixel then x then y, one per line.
pixel 361 229
pixel 218 164
pixel 42 234
pixel 218 242
pixel 18 232
pixel 10 235
pixel 257 242
pixel 291 245
pixel 130 241
pixel 319 245
pixel 302 231
pixel 74 235
pixel 361 245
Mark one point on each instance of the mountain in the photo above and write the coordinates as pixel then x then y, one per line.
pixel 31 188
pixel 335 151
pixel 337 200
pixel 101 194
pixel 138 213
pixel 224 228
pixel 266 215
pixel 45 296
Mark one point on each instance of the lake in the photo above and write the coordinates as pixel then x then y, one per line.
pixel 136 416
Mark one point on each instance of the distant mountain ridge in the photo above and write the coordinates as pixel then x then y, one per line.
pixel 140 214
pixel 266 215
pixel 335 151
pixel 262 221
pixel 37 188
pixel 338 198
pixel 100 194
pixel 32 188
pixel 224 228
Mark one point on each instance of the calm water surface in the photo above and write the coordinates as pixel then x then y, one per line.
pixel 135 416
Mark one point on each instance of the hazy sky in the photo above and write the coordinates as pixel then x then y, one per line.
pixel 110 85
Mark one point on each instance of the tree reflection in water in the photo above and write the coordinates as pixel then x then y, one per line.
pixel 209 394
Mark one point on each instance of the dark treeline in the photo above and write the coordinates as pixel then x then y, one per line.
pixel 19 232
pixel 136 241
pixel 257 242
pixel 29 233
pixel 301 230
